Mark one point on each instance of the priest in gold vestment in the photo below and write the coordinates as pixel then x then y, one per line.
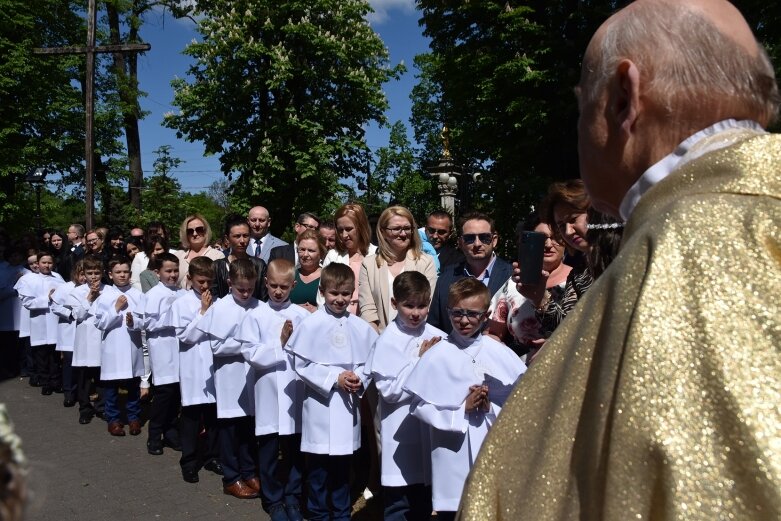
pixel 659 396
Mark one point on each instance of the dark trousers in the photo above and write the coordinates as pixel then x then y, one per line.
pixel 280 486
pixel 237 452
pixel 446 516
pixel 25 357
pixel 45 365
pixel 193 416
pixel 328 475
pixel 408 503
pixel 111 398
pixel 166 400
pixel 68 377
pixel 84 379
pixel 9 354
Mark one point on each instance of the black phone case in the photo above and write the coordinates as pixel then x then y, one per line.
pixel 530 256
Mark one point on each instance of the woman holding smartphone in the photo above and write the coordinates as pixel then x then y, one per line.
pixel 565 211
pixel 512 314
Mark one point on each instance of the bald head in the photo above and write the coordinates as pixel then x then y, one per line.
pixel 657 72
pixel 688 53
pixel 259 220
pixel 722 14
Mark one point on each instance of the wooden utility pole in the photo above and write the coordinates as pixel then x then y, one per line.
pixel 89 92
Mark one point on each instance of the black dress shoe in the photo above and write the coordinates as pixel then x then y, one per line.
pixel 190 476
pixel 68 402
pixel 214 466
pixel 85 418
pixel 34 382
pixel 46 390
pixel 58 389
pixel 172 444
pixel 154 447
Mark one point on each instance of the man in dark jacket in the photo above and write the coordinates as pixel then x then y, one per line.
pixel 477 240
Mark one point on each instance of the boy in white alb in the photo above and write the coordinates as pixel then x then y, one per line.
pixel 88 339
pixel 196 372
pixel 35 290
pixel 406 448
pixel 233 379
pixel 460 386
pixel 66 331
pixel 278 392
pixel 330 348
pixel 118 314
pixel 25 351
pixel 163 349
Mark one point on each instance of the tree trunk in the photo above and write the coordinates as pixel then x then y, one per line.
pixel 125 70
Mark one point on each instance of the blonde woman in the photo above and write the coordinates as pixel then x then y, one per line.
pixel 399 250
pixel 195 235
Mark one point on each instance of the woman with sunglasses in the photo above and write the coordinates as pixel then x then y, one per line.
pixel 399 250
pixel 195 235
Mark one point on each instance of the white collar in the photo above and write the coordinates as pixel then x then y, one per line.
pixel 677 157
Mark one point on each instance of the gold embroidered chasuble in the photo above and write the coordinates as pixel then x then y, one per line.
pixel 659 397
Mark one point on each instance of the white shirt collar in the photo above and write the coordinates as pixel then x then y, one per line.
pixel 681 154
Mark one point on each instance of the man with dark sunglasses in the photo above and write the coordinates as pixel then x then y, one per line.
pixel 439 229
pixel 477 240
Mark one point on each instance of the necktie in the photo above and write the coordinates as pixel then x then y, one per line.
pixel 258 247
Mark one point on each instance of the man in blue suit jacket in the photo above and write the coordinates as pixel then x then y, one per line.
pixel 477 240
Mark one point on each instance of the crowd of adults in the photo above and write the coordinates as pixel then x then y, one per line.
pixel 522 316
pixel 656 396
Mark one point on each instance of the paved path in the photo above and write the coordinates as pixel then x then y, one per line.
pixel 80 472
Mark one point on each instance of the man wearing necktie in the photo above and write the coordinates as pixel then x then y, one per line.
pixel 262 241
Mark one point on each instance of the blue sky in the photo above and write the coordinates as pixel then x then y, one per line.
pixel 396 21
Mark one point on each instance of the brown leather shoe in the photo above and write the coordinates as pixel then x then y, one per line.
pixel 240 490
pixel 253 483
pixel 116 429
pixel 135 427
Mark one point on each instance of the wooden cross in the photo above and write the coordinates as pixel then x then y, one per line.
pixel 90 50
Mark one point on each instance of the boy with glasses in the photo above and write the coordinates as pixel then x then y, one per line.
pixel 459 388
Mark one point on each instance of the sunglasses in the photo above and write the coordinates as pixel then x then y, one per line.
pixel 200 230
pixel 436 231
pixel 484 238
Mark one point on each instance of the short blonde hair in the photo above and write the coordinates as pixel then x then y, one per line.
pixel 282 267
pixel 384 252
pixel 312 235
pixel 185 242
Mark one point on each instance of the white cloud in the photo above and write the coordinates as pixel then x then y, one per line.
pixel 382 9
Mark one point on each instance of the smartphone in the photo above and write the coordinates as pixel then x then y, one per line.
pixel 530 255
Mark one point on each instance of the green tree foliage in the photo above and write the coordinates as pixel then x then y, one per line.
pixel 398 179
pixel 42 107
pixel 281 92
pixel 39 106
pixel 500 75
